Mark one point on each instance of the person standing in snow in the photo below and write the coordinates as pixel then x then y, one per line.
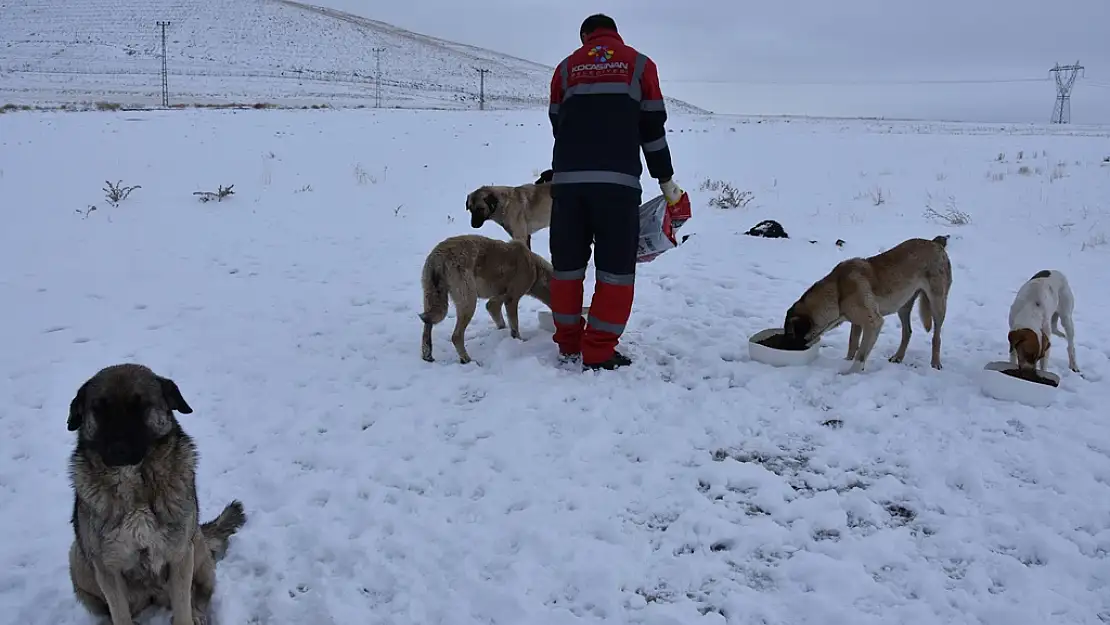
pixel 606 105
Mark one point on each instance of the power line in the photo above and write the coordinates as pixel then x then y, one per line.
pixel 1065 81
pixel 482 89
pixel 849 83
pixel 378 77
pixel 165 73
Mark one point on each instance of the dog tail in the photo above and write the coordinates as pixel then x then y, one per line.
pixel 218 531
pixel 941 240
pixel 925 308
pixel 434 284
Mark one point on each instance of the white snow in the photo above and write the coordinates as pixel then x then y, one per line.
pixel 694 487
pixel 245 51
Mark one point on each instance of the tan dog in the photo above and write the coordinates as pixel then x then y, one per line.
pixel 864 290
pixel 137 537
pixel 471 266
pixel 521 211
pixel 1043 300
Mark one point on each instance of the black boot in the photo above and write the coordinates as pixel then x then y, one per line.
pixel 570 359
pixel 615 361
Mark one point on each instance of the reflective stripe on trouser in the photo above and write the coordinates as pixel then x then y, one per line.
pixel 566 309
pixel 609 312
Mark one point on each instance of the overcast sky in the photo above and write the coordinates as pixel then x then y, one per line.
pixel 816 57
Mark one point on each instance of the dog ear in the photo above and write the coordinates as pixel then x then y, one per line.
pixel 173 396
pixel 491 201
pixel 1014 338
pixel 1045 344
pixel 77 409
pixel 545 177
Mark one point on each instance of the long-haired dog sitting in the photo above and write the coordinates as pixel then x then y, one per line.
pixel 467 267
pixel 137 537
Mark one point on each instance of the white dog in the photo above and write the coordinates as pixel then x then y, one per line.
pixel 1039 302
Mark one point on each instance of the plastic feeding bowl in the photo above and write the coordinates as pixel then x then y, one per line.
pixel 1001 381
pixel 776 355
pixel 548 323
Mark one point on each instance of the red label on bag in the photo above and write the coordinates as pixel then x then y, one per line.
pixel 677 212
pixel 680 210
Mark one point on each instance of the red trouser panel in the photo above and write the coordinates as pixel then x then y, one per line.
pixel 566 311
pixel 609 312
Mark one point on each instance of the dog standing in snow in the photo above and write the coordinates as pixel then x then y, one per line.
pixel 1039 303
pixel 470 266
pixel 864 290
pixel 521 211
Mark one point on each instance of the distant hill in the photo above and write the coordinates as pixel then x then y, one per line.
pixel 245 51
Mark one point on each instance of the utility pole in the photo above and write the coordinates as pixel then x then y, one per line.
pixel 1065 80
pixel 165 73
pixel 378 77
pixel 482 88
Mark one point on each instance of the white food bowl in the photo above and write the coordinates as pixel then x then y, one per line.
pixel 779 357
pixel 548 323
pixel 1008 388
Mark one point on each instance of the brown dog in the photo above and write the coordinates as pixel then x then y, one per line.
pixel 137 539
pixel 864 290
pixel 471 266
pixel 521 211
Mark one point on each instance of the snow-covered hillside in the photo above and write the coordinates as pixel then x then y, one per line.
pixel 244 51
pixel 696 487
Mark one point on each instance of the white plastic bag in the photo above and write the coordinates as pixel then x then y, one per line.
pixel 656 234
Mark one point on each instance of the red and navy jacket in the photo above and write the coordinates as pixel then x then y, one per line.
pixel 606 105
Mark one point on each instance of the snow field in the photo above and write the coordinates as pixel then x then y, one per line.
pixel 694 487
pixel 245 51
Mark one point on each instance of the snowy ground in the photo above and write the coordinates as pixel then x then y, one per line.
pixel 694 487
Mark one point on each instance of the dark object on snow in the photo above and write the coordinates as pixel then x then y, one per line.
pixel 781 341
pixel 942 240
pixel 768 228
pixel 685 237
pixel 840 242
pixel 219 195
pixel 545 177
pixel 1030 376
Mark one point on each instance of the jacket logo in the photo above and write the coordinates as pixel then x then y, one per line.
pixel 600 61
pixel 600 54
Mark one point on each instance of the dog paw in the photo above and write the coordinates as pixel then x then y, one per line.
pixel 428 359
pixel 516 335
pixel 1075 368
pixel 895 359
pixel 936 365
